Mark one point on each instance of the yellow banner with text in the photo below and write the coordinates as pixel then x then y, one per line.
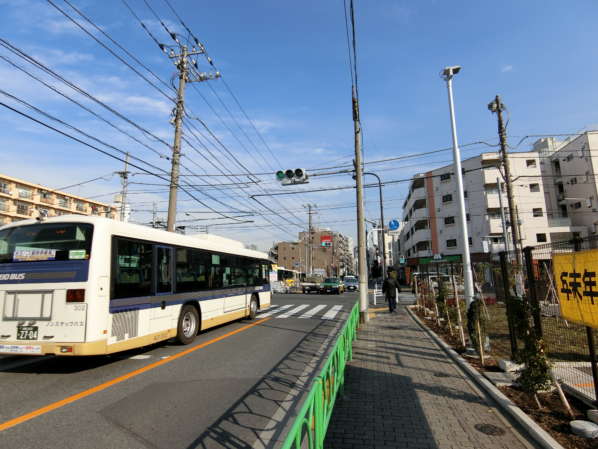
pixel 576 284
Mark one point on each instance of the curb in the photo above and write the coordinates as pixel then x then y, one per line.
pixel 538 434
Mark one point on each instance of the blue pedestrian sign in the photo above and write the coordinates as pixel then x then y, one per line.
pixel 393 225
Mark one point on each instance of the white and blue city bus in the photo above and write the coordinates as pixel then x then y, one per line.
pixel 79 285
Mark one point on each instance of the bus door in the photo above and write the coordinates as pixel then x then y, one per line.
pixel 161 315
pixel 235 277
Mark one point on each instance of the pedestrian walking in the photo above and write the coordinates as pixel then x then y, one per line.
pixel 390 287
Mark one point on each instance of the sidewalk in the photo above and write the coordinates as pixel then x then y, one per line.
pixel 402 391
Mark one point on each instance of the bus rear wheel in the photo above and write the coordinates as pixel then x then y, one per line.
pixel 188 325
pixel 253 308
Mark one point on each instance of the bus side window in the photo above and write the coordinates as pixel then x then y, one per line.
pixel 132 269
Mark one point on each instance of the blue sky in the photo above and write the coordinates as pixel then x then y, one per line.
pixel 287 64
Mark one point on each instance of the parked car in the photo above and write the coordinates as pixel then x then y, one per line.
pixel 311 284
pixel 332 285
pixel 351 283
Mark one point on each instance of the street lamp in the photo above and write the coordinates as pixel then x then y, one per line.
pixel 447 75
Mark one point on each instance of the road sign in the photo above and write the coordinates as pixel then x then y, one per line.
pixel 393 225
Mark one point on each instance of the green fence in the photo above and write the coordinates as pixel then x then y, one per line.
pixel 312 421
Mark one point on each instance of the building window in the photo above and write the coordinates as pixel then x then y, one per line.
pixel 464 193
pixel 451 243
pixel 22 208
pixel 79 206
pixel 25 193
pixel 573 181
pixel 470 240
pixel 45 197
pixel 537 211
pixel 467 217
pixel 445 177
pixel 530 163
pixel 3 204
pixel 541 238
pixel 447 198
pixel 4 188
pixel 63 202
pixel 576 205
pixel 449 220
pixel 534 187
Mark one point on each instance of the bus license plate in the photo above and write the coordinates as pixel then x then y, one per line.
pixel 26 332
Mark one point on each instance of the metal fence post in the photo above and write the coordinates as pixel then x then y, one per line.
pixel 531 289
pixel 506 288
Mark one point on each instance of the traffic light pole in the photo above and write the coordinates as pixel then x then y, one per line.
pixel 363 271
pixel 383 238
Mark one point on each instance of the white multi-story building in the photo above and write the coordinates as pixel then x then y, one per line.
pixel 430 211
pixel 570 171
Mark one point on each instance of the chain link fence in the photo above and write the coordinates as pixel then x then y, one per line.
pixel 519 293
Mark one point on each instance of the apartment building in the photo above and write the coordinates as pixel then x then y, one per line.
pixel 430 211
pixel 331 253
pixel 570 177
pixel 21 200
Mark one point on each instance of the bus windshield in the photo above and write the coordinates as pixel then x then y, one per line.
pixel 46 241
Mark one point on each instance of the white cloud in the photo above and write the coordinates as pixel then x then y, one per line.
pixel 506 68
pixel 55 57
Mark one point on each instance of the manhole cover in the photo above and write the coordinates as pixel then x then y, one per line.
pixel 490 429
pixel 441 375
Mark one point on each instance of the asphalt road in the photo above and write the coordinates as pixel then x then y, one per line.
pixel 234 387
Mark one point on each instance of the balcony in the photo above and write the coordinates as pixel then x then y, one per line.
pixel 490 174
pixel 559 222
pixel 421 235
pixel 26 194
pixel 495 226
pixel 420 214
pixel 492 200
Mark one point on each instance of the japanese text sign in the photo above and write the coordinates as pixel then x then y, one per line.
pixel 577 286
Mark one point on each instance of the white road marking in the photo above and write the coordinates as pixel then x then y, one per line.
pixel 332 313
pixel 140 357
pixel 293 311
pixel 312 312
pixel 272 312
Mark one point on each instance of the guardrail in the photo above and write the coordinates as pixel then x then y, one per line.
pixel 312 421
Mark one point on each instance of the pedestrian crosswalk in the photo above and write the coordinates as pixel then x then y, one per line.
pixel 320 311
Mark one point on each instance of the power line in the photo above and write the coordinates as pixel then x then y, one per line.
pixel 101 151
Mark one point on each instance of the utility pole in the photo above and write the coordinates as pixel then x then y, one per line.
pixel 124 177
pixel 497 107
pixel 363 271
pixel 154 214
pixel 184 67
pixel 310 243
pixel 505 235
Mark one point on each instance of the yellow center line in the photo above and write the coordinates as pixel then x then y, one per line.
pixel 83 394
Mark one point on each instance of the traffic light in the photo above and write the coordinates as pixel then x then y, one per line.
pixel 290 176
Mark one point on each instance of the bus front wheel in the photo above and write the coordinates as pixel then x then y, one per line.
pixel 188 325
